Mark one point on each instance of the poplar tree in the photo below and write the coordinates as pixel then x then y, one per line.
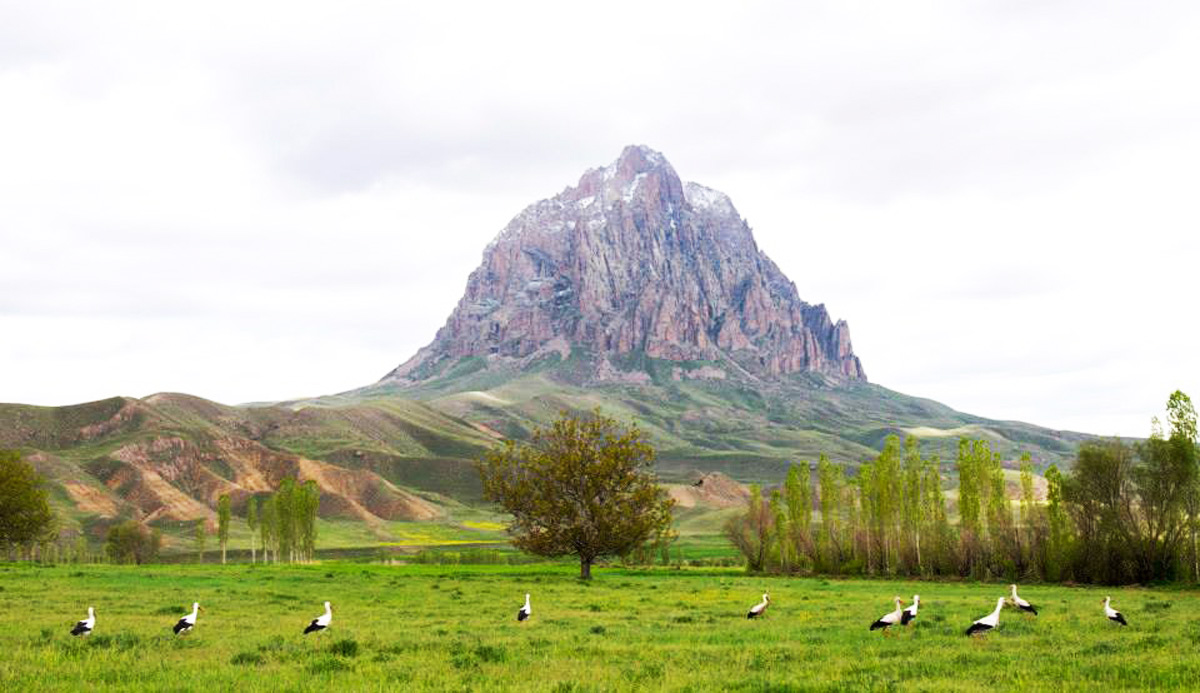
pixel 269 528
pixel 856 539
pixel 782 533
pixel 252 523
pixel 933 509
pixel 311 502
pixel 1027 531
pixel 799 502
pixel 889 489
pixel 866 520
pixel 198 539
pixel 1181 417
pixel 998 512
pixel 829 482
pixel 1056 516
pixel 286 522
pixel 968 503
pixel 913 498
pixel 223 514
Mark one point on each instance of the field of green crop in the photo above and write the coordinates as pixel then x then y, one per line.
pixel 453 628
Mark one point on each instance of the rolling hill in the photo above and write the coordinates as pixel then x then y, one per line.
pixel 632 292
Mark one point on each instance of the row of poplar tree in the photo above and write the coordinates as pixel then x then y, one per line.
pixel 284 523
pixel 1125 513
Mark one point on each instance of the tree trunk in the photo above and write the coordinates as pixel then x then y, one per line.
pixel 585 568
pixel 222 553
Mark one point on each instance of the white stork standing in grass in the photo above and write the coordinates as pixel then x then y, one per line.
pixel 889 619
pixel 85 626
pixel 988 622
pixel 760 608
pixel 911 612
pixel 1021 603
pixel 524 612
pixel 188 622
pixel 321 622
pixel 1113 614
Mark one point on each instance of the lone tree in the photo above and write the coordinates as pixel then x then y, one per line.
pixel 131 542
pixel 25 515
pixel 583 487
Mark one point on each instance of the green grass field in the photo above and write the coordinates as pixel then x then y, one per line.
pixel 454 628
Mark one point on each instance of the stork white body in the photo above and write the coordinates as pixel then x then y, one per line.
pixel 758 609
pixel 185 624
pixel 889 619
pixel 321 622
pixel 1112 614
pixel 988 622
pixel 85 626
pixel 911 612
pixel 1021 603
pixel 525 611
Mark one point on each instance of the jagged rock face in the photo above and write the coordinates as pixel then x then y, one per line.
pixel 634 260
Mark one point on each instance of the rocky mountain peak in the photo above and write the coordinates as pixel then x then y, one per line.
pixel 633 261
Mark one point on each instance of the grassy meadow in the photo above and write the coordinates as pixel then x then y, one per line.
pixel 428 627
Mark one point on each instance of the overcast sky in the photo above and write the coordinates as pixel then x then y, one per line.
pixel 257 202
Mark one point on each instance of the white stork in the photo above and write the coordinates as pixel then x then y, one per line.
pixel 889 619
pixel 988 622
pixel 759 608
pixel 321 622
pixel 524 612
pixel 1021 603
pixel 911 612
pixel 1113 614
pixel 185 624
pixel 85 626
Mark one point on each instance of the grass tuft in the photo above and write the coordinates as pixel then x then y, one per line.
pixel 247 658
pixel 347 647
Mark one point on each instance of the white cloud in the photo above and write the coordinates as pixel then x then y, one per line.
pixel 259 201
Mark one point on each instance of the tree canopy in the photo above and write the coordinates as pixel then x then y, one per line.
pixel 584 487
pixel 131 542
pixel 25 514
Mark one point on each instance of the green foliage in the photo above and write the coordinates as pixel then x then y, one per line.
pixel 751 533
pixel 132 542
pixel 831 479
pixel 252 505
pixel 25 515
pixel 582 487
pixel 199 539
pixel 224 512
pixel 287 521
pixel 798 494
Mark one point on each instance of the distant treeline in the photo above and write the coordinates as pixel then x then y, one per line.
pixel 1124 514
